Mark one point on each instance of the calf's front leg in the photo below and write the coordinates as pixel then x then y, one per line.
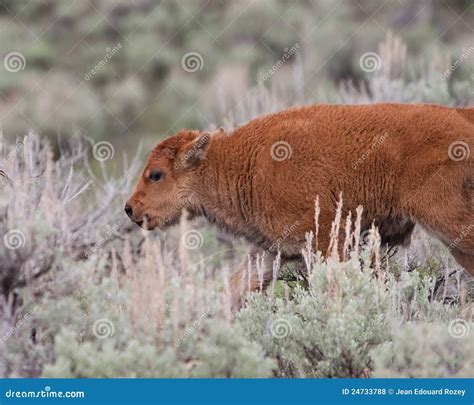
pixel 254 273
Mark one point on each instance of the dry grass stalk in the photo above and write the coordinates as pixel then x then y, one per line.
pixel 249 274
pixel 227 297
pixel 308 255
pixel 259 264
pixel 147 287
pixel 347 237
pixel 393 53
pixel 317 212
pixel 357 229
pixel 333 249
pixel 183 251
pixel 276 269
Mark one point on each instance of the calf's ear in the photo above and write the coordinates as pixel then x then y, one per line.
pixel 195 151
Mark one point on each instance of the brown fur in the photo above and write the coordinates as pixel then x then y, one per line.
pixel 390 158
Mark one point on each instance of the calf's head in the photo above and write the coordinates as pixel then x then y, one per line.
pixel 164 187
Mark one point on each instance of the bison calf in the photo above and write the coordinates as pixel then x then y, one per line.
pixel 404 164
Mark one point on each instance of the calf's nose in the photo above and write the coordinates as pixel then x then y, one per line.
pixel 128 210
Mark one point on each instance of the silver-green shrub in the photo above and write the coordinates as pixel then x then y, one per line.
pixel 426 350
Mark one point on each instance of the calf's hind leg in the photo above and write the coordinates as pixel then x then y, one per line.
pixel 456 232
pixel 466 260
pixel 445 207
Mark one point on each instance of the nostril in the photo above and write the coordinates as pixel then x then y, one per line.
pixel 128 210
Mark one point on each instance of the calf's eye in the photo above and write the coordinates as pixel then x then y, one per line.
pixel 156 175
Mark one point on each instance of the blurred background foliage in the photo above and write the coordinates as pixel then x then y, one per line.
pixel 143 92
